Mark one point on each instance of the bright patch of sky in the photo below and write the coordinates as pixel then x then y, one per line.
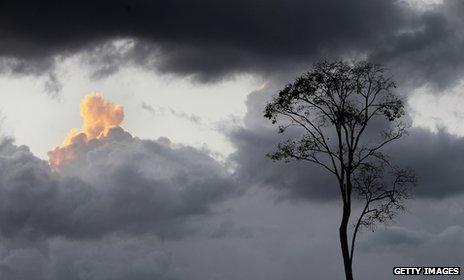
pixel 155 106
pixel 421 5
pixel 443 110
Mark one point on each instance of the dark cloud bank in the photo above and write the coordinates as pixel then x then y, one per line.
pixel 121 185
pixel 436 158
pixel 106 213
pixel 212 39
pixel 432 223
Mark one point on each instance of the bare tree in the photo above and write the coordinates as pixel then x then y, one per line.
pixel 347 113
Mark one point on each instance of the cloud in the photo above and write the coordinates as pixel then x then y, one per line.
pixel 395 236
pixel 437 112
pixel 179 114
pixel 113 257
pixel 110 258
pixel 130 214
pixel 435 157
pixel 98 117
pixel 419 246
pixel 107 211
pixel 288 241
pixel 121 185
pixel 428 51
pixel 211 40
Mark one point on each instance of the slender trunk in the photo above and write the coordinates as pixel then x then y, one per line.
pixel 344 242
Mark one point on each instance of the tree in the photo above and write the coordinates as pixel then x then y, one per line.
pixel 346 114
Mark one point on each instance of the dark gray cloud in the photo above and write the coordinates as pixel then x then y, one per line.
pixel 428 51
pixel 212 39
pixel 435 157
pixel 429 233
pixel 427 223
pixel 288 241
pixel 109 212
pixel 295 179
pixel 117 185
pixel 58 227
pixel 114 257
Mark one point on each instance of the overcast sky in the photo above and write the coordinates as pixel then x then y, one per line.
pixel 181 188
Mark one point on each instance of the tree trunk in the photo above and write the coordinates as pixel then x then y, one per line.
pixel 344 242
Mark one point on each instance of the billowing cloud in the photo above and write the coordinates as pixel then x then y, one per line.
pixel 435 157
pixel 137 186
pixel 98 117
pixel 107 181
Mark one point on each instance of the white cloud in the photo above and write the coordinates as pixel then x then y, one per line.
pixel 438 111
pixel 422 5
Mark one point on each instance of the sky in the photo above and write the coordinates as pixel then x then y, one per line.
pixel 133 140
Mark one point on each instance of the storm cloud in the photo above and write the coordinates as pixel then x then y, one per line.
pixel 210 40
pixel 436 158
pixel 125 185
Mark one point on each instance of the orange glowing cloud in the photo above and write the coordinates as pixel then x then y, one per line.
pixel 99 116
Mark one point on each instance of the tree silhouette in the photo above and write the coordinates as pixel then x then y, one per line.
pixel 347 113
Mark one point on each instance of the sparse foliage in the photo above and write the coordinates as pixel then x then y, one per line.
pixel 347 113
